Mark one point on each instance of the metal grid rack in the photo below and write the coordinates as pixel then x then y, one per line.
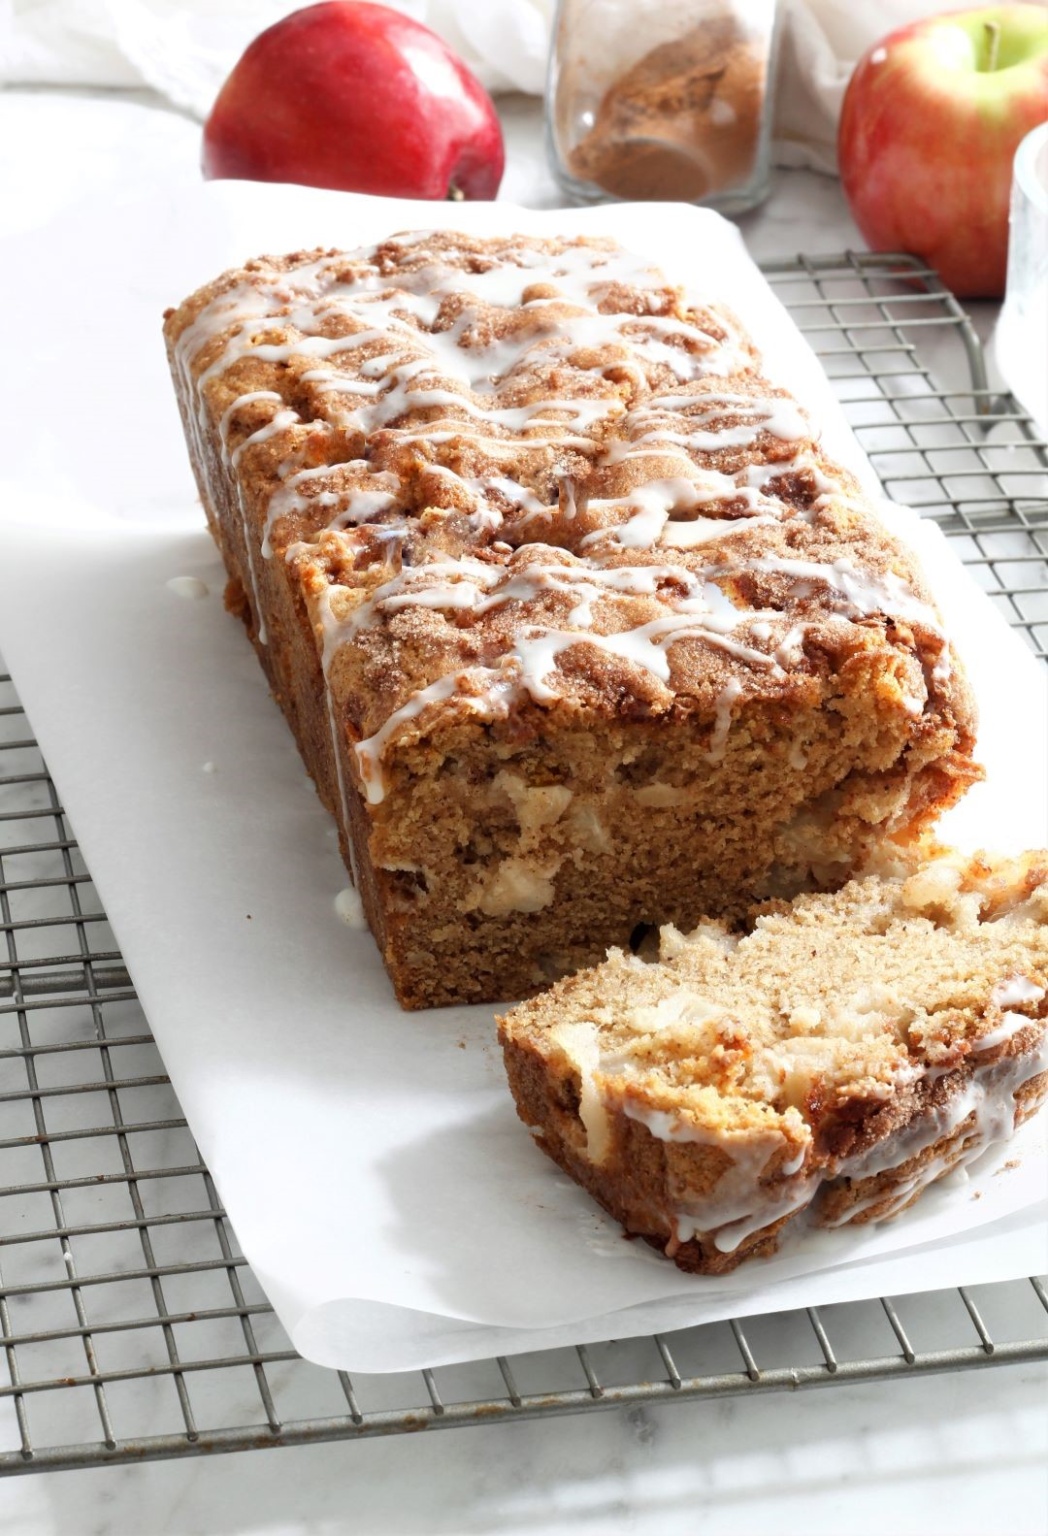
pixel 131 1324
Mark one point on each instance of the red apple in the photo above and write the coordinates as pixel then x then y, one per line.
pixel 359 97
pixel 930 124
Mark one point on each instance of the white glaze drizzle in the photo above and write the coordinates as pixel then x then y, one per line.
pixel 1008 995
pixel 731 691
pixel 736 1206
pixel 580 1043
pixel 740 1204
pixel 337 741
pixel 857 593
pixel 1014 990
pixel 652 506
pixel 990 1096
pixel 1011 1024
pixel 336 305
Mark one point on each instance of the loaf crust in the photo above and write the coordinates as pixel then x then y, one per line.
pixel 578 629
pixel 845 1054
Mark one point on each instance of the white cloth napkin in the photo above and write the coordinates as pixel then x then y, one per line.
pixel 184 49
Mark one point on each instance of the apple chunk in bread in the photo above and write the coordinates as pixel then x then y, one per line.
pixel 836 1059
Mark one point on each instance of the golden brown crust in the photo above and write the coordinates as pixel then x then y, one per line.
pixel 512 516
pixel 847 1053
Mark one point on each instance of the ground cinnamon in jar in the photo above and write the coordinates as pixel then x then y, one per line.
pixel 683 122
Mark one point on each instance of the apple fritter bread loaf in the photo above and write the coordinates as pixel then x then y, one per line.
pixel 577 627
pixel 838 1058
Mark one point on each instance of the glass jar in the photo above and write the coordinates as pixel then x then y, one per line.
pixel 665 100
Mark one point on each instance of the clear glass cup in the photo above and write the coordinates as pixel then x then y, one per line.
pixel 665 100
pixel 1021 338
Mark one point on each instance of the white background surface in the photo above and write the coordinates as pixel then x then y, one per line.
pixel 956 1454
pixel 453 1222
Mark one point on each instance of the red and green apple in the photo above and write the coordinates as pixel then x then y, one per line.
pixel 931 121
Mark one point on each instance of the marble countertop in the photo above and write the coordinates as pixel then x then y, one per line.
pixel 938 1456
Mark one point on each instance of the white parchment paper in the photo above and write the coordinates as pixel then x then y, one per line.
pixel 388 1199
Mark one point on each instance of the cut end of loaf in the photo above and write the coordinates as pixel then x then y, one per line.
pixel 837 1057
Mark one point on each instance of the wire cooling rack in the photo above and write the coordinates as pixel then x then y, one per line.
pixel 131 1324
